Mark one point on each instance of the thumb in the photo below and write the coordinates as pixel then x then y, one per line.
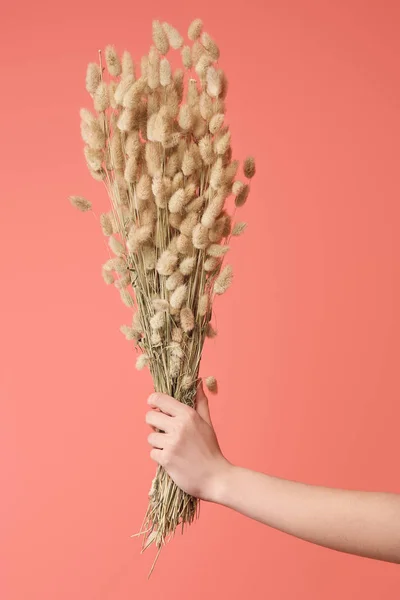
pixel 202 404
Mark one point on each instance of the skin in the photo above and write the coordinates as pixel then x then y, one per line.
pixel 362 523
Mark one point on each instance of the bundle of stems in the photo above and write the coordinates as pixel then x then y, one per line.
pixel 159 143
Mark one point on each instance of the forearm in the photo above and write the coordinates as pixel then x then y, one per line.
pixel 362 523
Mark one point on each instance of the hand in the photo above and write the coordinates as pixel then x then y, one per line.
pixel 186 445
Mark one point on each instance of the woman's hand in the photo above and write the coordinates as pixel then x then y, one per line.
pixel 186 445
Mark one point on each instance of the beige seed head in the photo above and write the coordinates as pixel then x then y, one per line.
pixel 94 158
pixel 239 228
pixel 177 201
pixel 106 224
pixel 157 321
pixel 211 264
pixel 144 63
pixel 202 66
pixel 211 384
pixel 173 246
pixel 177 181
pixel 200 237
pixel 216 123
pixel 213 210
pixel 133 144
pixel 175 220
pixel 160 304
pixel 116 246
pixel 126 297
pixel 187 382
pixel 143 188
pixel 186 57
pixel 174 366
pixel 149 257
pixel 195 29
pixel 122 88
pixel 155 338
pixel 192 93
pixel 176 349
pixel 174 281
pixel 174 37
pixel 203 305
pixel 217 174
pixel 184 244
pixel 107 276
pixel 142 362
pixel 128 332
pixel 185 117
pixel 123 281
pixel 179 295
pixel 223 143
pixel 249 167
pixel 153 158
pixel 93 77
pixel 131 98
pixel 195 205
pixel 178 78
pixel 80 203
pixel 101 97
pixel 112 61
pixel 93 134
pixel 86 116
pixel 189 223
pixel 166 263
pixel 216 250
pixel 206 106
pixel 242 196
pixel 115 264
pixel 117 155
pixel 131 169
pixel 165 72
pixel 187 319
pixel 206 150
pixel 237 187
pixel 127 120
pixel 216 233
pixel 213 82
pixel 128 67
pixel 224 280
pixel 176 335
pixel 111 94
pixel 210 45
pixel 187 265
pixel 160 38
pixel 230 172
pixel 188 163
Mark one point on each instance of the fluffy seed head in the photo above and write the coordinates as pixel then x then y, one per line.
pixel 210 45
pixel 174 366
pixel 177 201
pixel 176 335
pixel 165 72
pixel 107 276
pixel 155 338
pixel 159 304
pixel 217 174
pixel 80 203
pixel 175 220
pixel 101 97
pixel 189 223
pixel 128 68
pixel 174 37
pixel 213 82
pixel 203 305
pixel 216 123
pixel 187 319
pixel 242 196
pixel 206 106
pixel 93 77
pixel 249 167
pixel 196 204
pixel 211 384
pixel 185 117
pixel 213 210
pixel 187 265
pixel 188 163
pixel 166 263
pixel 113 62
pixel 174 281
pixel 157 321
pixel 116 246
pixel 200 237
pixel 206 150
pixel 142 361
pixel 184 244
pixel 195 29
pixel 216 250
pixel 126 297
pixel 106 224
pixel 210 331
pixel 223 280
pixel 178 296
pixel 128 332
pixel 149 257
pixel 160 38
pixel 187 57
pixel 153 158
pixel 223 143
pixel 239 228
pixel 210 264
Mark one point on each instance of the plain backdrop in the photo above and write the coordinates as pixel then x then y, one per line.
pixel 308 350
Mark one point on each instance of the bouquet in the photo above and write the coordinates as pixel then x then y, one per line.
pixel 159 143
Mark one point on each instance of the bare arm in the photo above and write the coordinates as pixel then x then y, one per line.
pixel 362 523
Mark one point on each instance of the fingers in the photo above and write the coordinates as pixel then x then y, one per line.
pixel 156 455
pixel 157 440
pixel 202 404
pixel 159 420
pixel 166 404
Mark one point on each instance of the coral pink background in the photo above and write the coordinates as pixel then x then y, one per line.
pixel 308 351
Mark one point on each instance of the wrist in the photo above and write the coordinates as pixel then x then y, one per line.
pixel 220 486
